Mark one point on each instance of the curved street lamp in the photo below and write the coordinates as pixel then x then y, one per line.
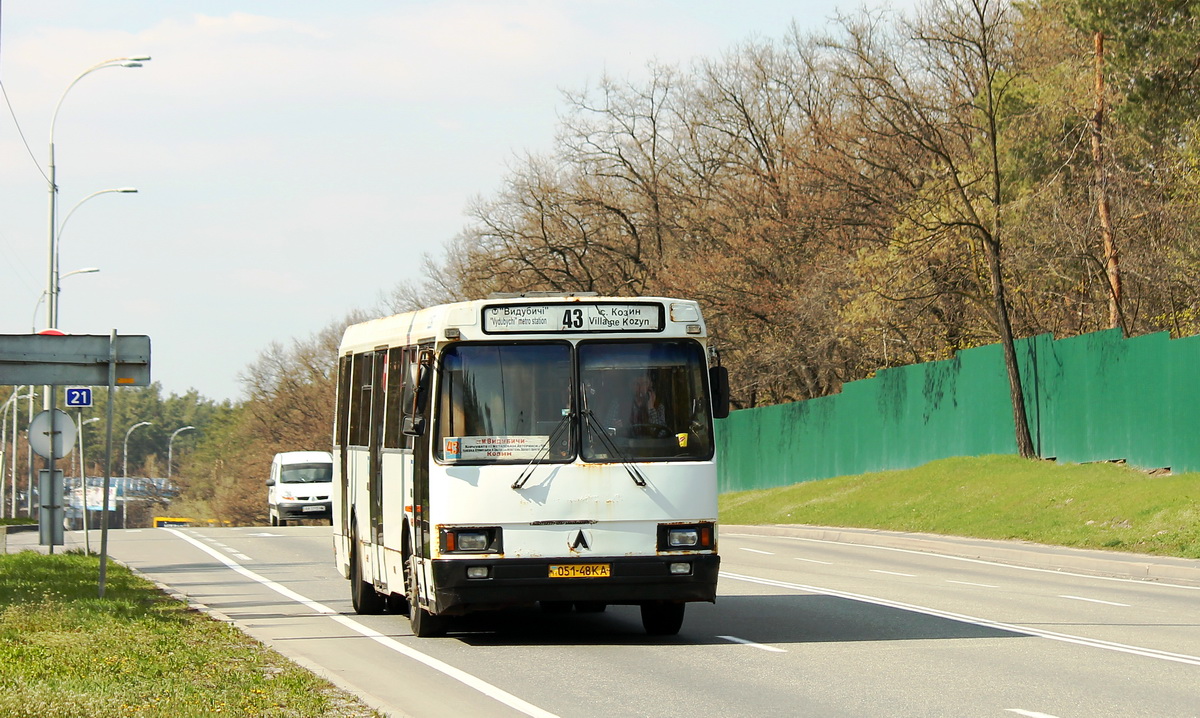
pixel 125 474
pixel 170 446
pixel 58 243
pixel 52 288
pixel 42 296
pixel 125 448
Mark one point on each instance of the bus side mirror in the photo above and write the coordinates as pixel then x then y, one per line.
pixel 718 378
pixel 414 425
pixel 270 482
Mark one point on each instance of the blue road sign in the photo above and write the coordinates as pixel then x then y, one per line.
pixel 79 396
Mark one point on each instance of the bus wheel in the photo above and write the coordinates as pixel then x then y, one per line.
pixel 362 594
pixel 662 619
pixel 424 624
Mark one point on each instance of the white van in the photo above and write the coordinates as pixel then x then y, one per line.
pixel 300 487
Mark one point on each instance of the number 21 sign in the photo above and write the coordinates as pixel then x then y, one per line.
pixel 79 396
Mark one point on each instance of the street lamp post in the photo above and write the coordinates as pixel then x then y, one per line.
pixel 125 473
pixel 13 400
pixel 170 446
pixel 52 288
pixel 52 182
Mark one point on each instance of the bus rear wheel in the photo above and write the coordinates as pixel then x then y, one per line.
pixel 662 619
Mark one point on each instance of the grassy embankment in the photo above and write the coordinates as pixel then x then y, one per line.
pixel 1099 506
pixel 66 653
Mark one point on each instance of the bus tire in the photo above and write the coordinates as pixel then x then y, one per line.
pixel 424 624
pixel 662 619
pixel 363 596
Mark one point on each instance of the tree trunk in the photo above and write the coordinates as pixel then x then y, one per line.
pixel 1112 268
pixel 1020 419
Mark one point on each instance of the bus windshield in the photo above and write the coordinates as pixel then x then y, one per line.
pixel 516 403
pixel 644 400
pixel 504 402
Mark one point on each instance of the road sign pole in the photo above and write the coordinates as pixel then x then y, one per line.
pixel 50 535
pixel 108 410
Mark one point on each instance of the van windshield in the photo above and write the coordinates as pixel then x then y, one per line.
pixel 305 473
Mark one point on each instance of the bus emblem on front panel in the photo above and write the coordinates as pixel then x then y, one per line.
pixel 580 542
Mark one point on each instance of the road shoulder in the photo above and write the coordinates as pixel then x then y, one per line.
pixel 1020 553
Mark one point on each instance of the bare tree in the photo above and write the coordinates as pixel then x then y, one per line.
pixel 939 88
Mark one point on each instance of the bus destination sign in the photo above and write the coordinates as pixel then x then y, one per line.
pixel 575 317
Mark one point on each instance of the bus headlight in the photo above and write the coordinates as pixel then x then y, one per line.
pixel 683 538
pixel 687 537
pixel 470 540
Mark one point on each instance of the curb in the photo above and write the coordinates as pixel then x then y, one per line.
pixel 1020 553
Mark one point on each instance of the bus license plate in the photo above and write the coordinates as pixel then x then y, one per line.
pixel 581 570
pixel 313 508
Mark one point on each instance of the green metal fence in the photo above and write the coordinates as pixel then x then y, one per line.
pixel 1095 397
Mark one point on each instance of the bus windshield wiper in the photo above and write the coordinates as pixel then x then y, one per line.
pixel 544 452
pixel 634 472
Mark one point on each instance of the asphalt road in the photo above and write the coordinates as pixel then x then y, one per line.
pixel 808 623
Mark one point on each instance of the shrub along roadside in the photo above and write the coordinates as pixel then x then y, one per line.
pixel 1099 506
pixel 136 652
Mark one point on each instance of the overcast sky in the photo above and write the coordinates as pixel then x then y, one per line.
pixel 293 158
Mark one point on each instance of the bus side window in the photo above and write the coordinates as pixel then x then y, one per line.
pixel 393 437
pixel 341 430
pixel 356 433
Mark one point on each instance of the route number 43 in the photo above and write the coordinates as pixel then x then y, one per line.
pixel 79 396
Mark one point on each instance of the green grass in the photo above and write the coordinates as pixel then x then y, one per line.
pixel 1100 506
pixel 17 522
pixel 136 652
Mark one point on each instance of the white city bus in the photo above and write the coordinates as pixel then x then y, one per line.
pixel 542 448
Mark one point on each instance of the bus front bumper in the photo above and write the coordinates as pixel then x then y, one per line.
pixel 630 580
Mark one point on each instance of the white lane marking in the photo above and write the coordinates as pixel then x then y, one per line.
pixel 986 623
pixel 264 535
pixel 813 560
pixel 1095 600
pixel 894 573
pixel 240 556
pixel 968 583
pixel 1029 714
pixel 754 550
pixel 1139 581
pixel 752 644
pixel 457 674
